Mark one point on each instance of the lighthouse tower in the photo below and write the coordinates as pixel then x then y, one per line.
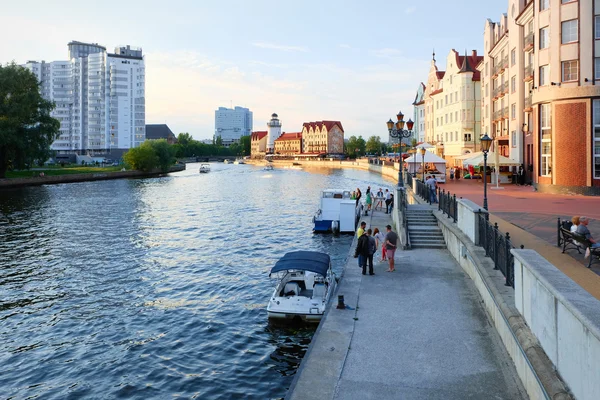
pixel 273 132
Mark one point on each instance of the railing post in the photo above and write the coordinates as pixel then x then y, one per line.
pixel 509 266
pixel 558 232
pixel 454 211
pixel 495 244
pixel 441 192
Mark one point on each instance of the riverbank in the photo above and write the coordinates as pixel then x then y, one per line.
pixel 73 178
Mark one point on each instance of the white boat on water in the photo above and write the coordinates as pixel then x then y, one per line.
pixel 204 168
pixel 306 284
pixel 226 161
pixel 269 168
pixel 338 212
pixel 239 161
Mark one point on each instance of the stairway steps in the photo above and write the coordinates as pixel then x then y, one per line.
pixel 428 246
pixel 423 230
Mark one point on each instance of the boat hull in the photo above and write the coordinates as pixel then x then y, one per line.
pixel 283 316
pixel 322 225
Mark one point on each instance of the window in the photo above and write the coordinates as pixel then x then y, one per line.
pixel 514 138
pixel 513 111
pixel 570 70
pixel 569 31
pixel 546 140
pixel 597 68
pixel 486 89
pixel 513 57
pixel 544 5
pixel 566 1
pixel 544 38
pixel 543 79
pixel 596 112
pixel 467 137
pixel 513 84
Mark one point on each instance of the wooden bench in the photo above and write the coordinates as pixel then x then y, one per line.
pixel 572 240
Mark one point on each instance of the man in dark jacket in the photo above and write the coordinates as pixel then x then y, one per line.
pixel 362 251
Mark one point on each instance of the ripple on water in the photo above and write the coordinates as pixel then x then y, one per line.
pixel 155 288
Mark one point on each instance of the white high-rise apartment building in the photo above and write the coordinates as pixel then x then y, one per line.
pixel 232 124
pixel 99 96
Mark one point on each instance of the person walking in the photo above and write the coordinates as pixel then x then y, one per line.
pixel 358 196
pixel 372 251
pixel 391 204
pixel 361 228
pixel 380 241
pixel 391 238
pixel 452 173
pixel 432 183
pixel 362 252
pixel 387 200
pixel 369 201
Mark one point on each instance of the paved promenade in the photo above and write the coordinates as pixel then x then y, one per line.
pixel 417 333
pixel 530 218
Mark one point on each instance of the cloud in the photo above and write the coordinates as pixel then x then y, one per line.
pixel 273 46
pixel 410 10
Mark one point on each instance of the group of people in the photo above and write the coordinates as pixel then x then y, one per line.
pixel 580 227
pixel 378 199
pixel 369 241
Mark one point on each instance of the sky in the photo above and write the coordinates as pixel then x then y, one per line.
pixel 359 62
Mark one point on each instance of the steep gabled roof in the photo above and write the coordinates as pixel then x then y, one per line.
pixel 158 131
pixel 258 135
pixel 468 63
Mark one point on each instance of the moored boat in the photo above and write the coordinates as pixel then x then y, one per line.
pixel 204 168
pixel 338 212
pixel 306 284
pixel 269 167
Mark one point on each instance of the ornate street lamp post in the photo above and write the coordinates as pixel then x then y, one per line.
pixel 399 132
pixel 423 155
pixel 486 142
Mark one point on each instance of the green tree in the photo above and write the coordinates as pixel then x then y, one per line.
pixel 362 146
pixel 26 128
pixel 373 145
pixel 164 152
pixel 218 141
pixel 184 139
pixel 245 143
pixel 142 158
pixel 351 146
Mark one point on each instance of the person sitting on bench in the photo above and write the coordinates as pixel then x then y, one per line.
pixel 584 231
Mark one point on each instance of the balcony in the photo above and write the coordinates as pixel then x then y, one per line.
pixel 467 124
pixel 504 63
pixel 528 73
pixel 528 41
pixel 497 115
pixel 528 103
pixel 504 87
pixel 505 112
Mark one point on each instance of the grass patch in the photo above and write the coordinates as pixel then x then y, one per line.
pixel 55 171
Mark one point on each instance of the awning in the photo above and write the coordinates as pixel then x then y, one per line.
pixel 477 160
pixel 429 158
pixel 312 261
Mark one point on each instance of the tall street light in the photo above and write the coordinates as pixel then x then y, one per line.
pixel 399 132
pixel 423 155
pixel 486 142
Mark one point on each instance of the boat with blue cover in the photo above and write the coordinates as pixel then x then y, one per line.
pixel 305 285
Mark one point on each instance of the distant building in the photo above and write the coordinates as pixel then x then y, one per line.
pixel 232 124
pixel 419 115
pixel 274 131
pixel 160 131
pixel 207 141
pixel 323 137
pixel 258 144
pixel 99 96
pixel 289 144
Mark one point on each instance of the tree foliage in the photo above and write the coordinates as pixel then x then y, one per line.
pixel 373 145
pixel 355 147
pixel 26 128
pixel 142 158
pixel 188 147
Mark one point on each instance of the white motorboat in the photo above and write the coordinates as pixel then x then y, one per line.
pixel 226 161
pixel 204 168
pixel 338 212
pixel 239 161
pixel 269 168
pixel 306 284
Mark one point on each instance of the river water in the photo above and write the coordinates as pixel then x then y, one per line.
pixel 156 288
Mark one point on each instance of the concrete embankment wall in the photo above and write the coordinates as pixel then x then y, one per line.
pixel 564 318
pixel 72 178
pixel 535 369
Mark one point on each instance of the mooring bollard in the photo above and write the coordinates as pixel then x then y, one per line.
pixel 341 302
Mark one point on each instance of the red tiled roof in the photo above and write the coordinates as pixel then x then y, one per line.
pixel 289 136
pixel 436 92
pixel 328 124
pixel 440 74
pixel 258 135
pixel 472 61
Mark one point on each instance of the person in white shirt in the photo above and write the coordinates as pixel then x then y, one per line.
pixel 432 183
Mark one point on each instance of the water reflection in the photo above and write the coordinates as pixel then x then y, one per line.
pixel 156 288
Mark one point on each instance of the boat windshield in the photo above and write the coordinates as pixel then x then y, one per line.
pixel 345 194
